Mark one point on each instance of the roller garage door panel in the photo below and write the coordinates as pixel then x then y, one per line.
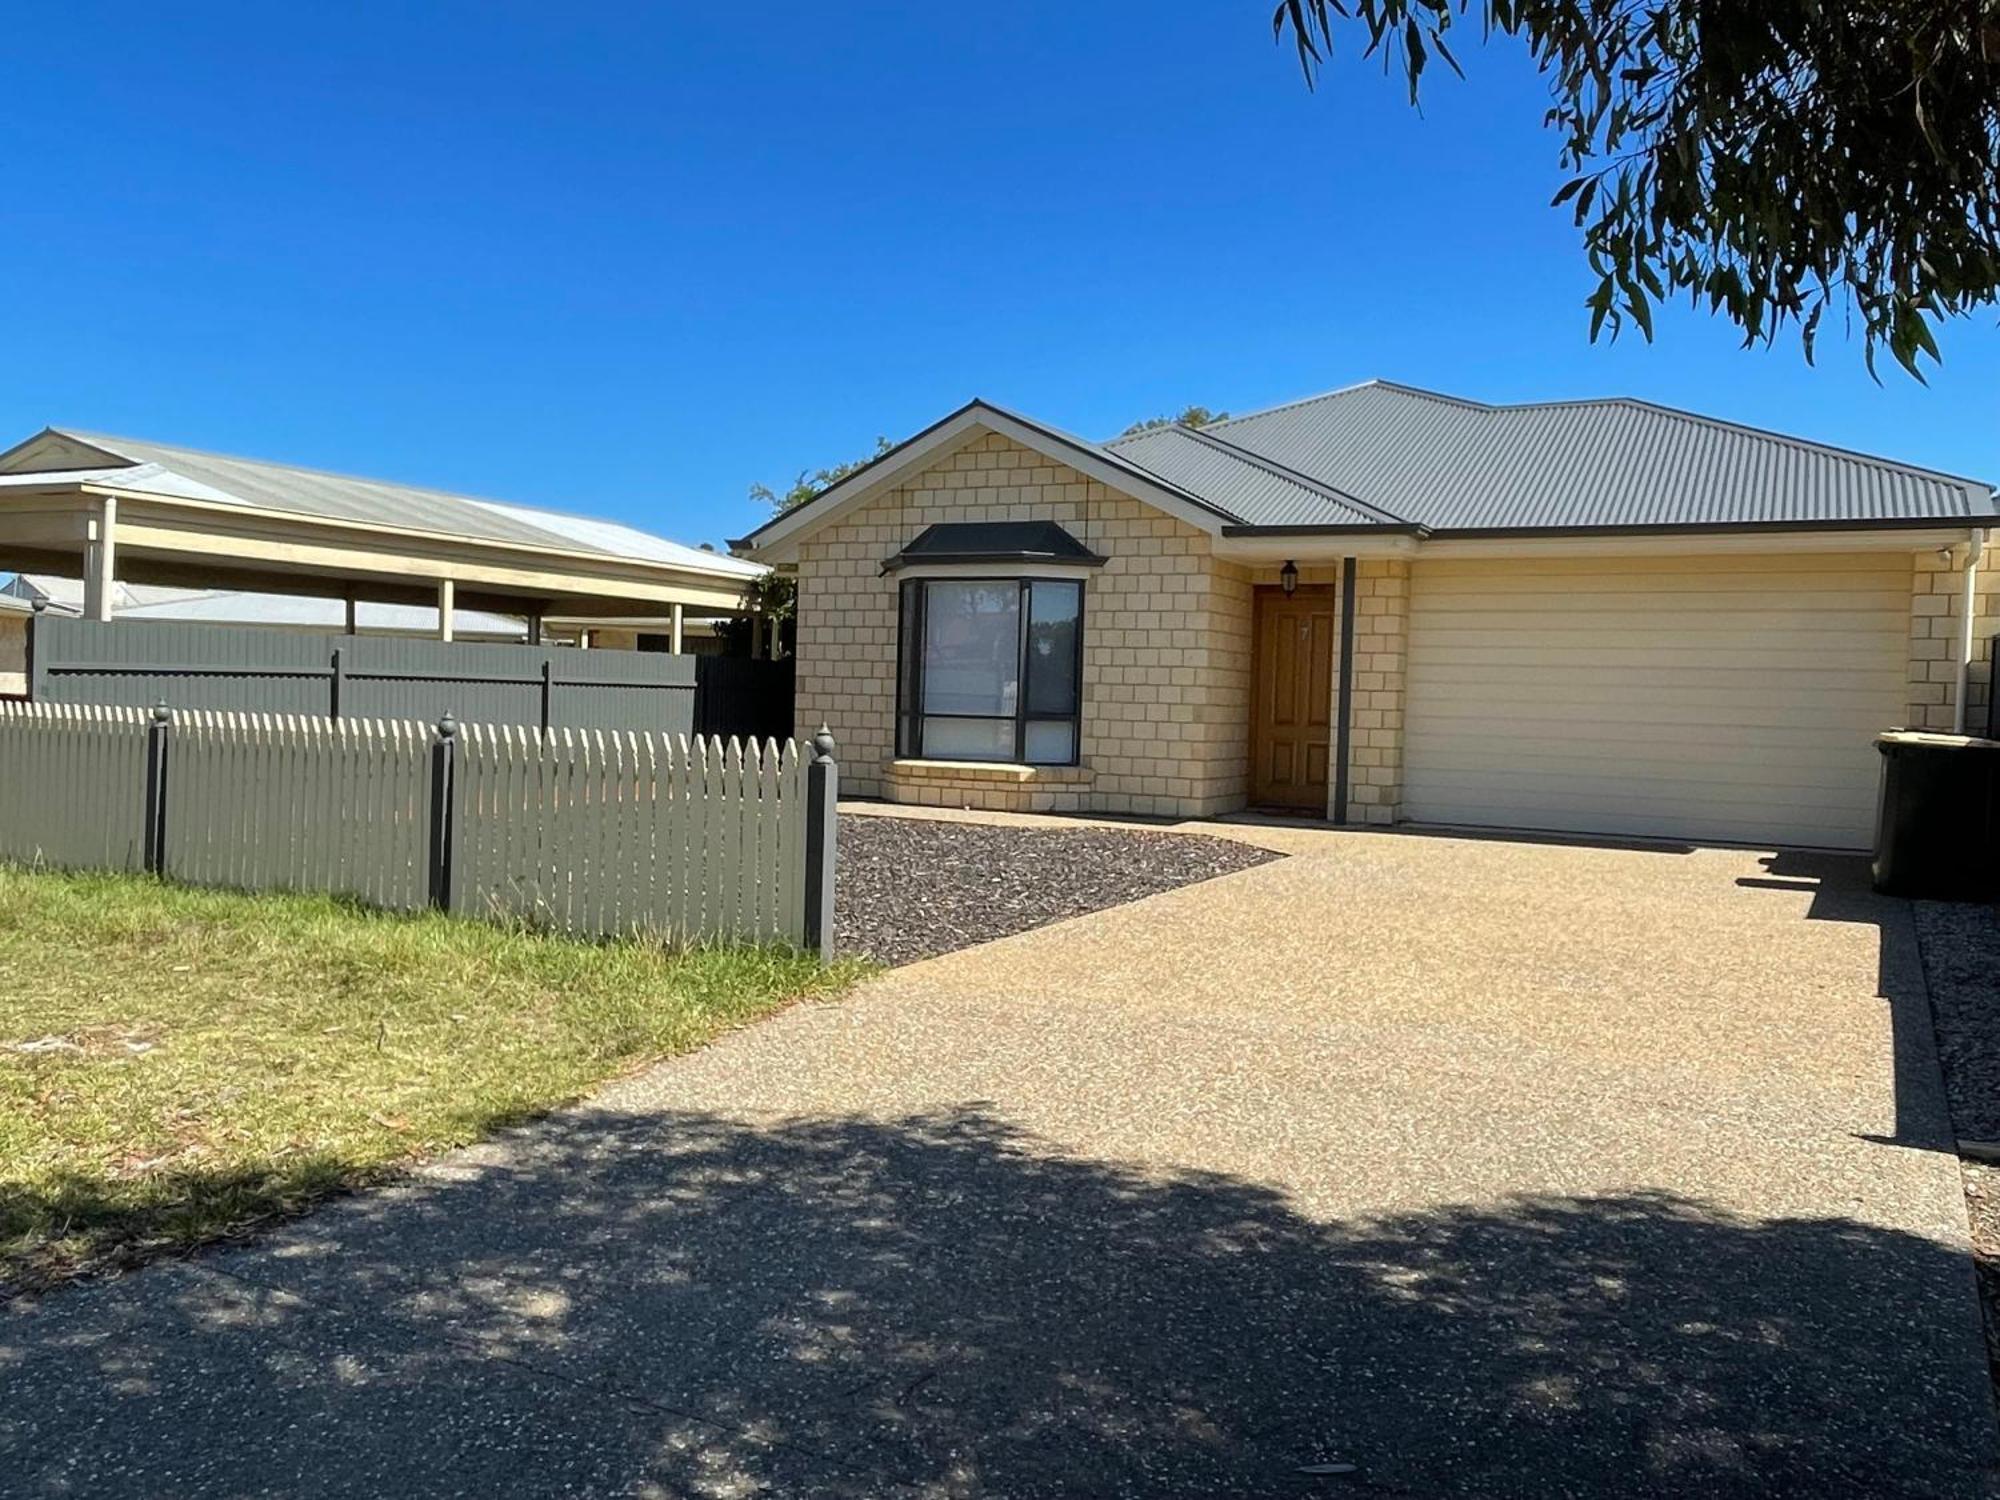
pixel 1725 698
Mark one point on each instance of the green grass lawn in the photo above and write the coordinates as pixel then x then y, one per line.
pixel 180 1065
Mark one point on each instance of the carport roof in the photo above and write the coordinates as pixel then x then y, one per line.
pixel 189 473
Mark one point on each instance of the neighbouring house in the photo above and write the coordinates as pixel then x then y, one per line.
pixel 245 535
pixel 14 617
pixel 1384 605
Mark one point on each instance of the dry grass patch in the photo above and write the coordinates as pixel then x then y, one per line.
pixel 180 1065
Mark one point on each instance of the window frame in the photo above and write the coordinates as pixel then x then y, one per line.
pixel 910 716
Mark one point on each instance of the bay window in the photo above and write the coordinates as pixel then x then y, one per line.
pixel 990 669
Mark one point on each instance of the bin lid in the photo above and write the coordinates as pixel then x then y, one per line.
pixel 1930 739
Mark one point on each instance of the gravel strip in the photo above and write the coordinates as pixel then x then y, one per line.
pixel 911 888
pixel 1961 948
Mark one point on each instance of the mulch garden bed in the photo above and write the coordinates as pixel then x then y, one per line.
pixel 912 888
pixel 1961 948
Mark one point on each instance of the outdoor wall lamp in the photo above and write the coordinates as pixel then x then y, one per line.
pixel 1288 578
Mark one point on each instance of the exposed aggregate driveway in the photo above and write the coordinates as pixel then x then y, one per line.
pixel 1403 1166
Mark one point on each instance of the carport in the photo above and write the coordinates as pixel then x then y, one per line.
pixel 124 510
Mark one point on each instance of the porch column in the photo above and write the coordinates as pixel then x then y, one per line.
pixel 100 564
pixel 756 637
pixel 674 634
pixel 447 594
pixel 534 627
pixel 353 614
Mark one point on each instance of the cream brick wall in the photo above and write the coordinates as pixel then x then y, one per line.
pixel 1937 603
pixel 1381 634
pixel 1166 659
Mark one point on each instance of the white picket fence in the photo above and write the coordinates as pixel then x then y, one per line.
pixel 599 833
pixel 73 786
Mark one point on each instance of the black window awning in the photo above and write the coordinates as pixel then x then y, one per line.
pixel 997 542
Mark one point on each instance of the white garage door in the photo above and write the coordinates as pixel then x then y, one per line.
pixel 1720 698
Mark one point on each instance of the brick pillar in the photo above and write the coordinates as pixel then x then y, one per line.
pixel 1381 636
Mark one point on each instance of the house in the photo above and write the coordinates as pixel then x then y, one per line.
pixel 1385 605
pixel 124 511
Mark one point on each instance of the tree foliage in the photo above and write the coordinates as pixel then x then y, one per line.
pixel 1193 416
pixel 1771 159
pixel 809 484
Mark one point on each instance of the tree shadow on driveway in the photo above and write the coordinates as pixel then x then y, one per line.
pixel 687 1304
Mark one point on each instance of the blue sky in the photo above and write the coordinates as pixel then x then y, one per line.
pixel 632 259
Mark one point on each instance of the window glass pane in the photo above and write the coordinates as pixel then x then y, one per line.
pixel 1051 742
pixel 972 649
pixel 1052 646
pixel 968 739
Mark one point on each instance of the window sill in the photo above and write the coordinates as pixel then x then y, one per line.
pixel 1009 772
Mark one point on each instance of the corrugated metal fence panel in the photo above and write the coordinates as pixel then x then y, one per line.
pixel 73 785
pixel 242 669
pixel 188 666
pixel 291 802
pixel 636 690
pixel 605 833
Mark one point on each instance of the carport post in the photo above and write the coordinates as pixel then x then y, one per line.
pixel 678 622
pixel 101 563
pixel 447 595
pixel 822 827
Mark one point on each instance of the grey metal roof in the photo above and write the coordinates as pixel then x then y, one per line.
pixel 1249 487
pixel 992 541
pixel 166 469
pixel 1445 464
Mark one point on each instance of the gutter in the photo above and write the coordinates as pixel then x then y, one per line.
pixel 1967 599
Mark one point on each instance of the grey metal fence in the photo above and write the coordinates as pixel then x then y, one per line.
pixel 591 832
pixel 244 669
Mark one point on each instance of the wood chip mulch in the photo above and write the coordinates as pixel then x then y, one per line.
pixel 1961 948
pixel 911 888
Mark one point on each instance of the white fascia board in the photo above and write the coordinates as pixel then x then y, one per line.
pixel 1693 541
pixel 1833 539
pixel 776 540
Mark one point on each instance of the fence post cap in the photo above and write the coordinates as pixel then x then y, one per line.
pixel 161 713
pixel 822 743
pixel 447 727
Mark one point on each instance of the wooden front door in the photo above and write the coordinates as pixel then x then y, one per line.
pixel 1291 725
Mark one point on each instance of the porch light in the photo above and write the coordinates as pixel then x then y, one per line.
pixel 1288 578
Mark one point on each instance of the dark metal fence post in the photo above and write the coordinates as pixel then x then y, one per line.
pixel 548 690
pixel 338 683
pixel 154 840
pixel 444 876
pixel 822 825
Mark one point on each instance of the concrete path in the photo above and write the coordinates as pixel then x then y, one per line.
pixel 1487 1168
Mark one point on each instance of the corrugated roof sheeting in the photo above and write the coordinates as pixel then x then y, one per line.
pixel 1448 464
pixel 1250 492
pixel 331 496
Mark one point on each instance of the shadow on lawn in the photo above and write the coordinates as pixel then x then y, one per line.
pixel 689 1305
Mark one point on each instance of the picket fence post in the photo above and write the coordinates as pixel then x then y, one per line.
pixel 443 881
pixel 153 838
pixel 822 827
